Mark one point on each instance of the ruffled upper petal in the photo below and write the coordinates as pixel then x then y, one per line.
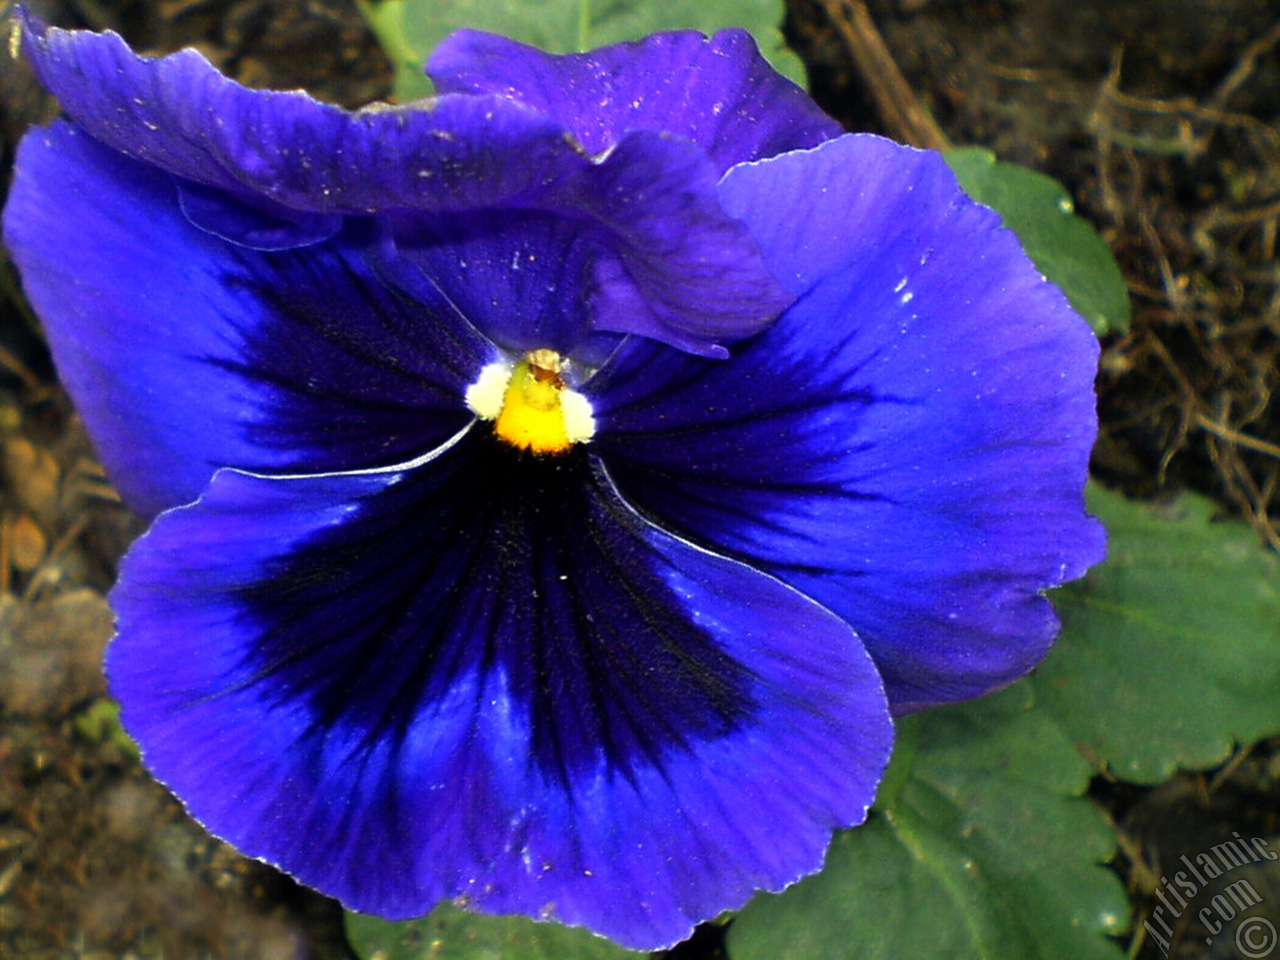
pixel 908 445
pixel 718 92
pixel 669 262
pixel 181 115
pixel 485 677
pixel 185 353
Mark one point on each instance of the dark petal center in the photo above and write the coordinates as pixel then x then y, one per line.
pixel 351 371
pixel 498 560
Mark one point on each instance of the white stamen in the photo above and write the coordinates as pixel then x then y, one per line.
pixel 485 396
pixel 579 423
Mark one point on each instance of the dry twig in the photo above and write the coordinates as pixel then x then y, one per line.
pixel 903 114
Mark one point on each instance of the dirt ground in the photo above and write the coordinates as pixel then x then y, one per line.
pixel 1160 117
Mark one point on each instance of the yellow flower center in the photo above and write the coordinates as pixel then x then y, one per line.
pixel 530 404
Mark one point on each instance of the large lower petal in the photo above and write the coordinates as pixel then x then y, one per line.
pixel 718 92
pixel 908 444
pixel 486 678
pixel 185 353
pixel 672 264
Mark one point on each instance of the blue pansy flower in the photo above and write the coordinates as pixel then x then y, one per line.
pixel 556 486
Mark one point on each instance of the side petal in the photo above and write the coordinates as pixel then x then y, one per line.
pixel 531 279
pixel 672 264
pixel 693 296
pixel 718 92
pixel 185 353
pixel 485 678
pixel 255 223
pixel 908 444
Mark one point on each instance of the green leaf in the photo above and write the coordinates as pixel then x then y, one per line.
pixel 987 850
pixel 450 933
pixel 1170 651
pixel 1065 248
pixel 100 723
pixel 410 29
